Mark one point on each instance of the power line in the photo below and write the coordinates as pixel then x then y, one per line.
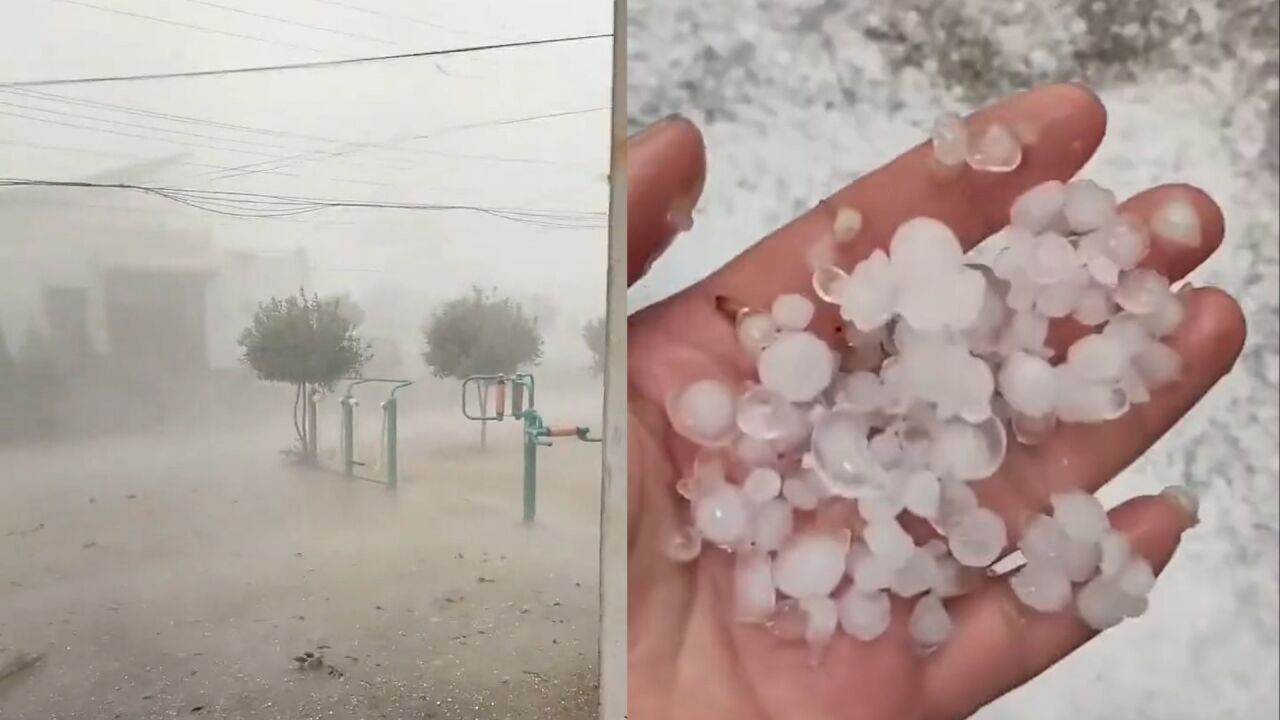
pixel 245 204
pixel 51 97
pixel 303 66
pixel 318 28
pixel 184 163
pixel 348 148
pixel 191 26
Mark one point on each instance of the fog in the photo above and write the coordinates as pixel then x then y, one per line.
pixel 163 545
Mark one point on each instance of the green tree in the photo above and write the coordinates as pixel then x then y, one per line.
pixel 480 333
pixel 593 336
pixel 307 342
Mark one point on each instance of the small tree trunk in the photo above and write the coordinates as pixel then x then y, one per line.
pixel 312 422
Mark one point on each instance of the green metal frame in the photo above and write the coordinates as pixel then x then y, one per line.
pixel 536 431
pixel 390 424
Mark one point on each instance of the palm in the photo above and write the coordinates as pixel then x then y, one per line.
pixel 687 659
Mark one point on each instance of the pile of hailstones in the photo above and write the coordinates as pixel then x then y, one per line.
pixel 944 357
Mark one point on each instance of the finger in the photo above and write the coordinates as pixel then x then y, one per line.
pixel 1067 123
pixel 666 168
pixel 998 644
pixel 1172 260
pixel 1085 456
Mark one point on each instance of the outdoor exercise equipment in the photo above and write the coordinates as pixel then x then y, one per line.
pixel 388 440
pixel 536 432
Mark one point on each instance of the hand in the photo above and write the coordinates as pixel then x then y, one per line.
pixel 687 659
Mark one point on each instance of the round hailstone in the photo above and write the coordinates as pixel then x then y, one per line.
pixel 1166 316
pixel 863 391
pixel 1032 430
pixel 922 494
pixel 822 619
pixel 1088 401
pixel 1088 206
pixel 1101 604
pixel 846 225
pixel 1094 307
pixel 1128 331
pixel 956 500
pixel 684 545
pixel 762 484
pixel 924 246
pixel 1158 364
pixel 1028 331
pixel 1081 515
pixel 1136 578
pixel 840 454
pixel 795 431
pixel 929 625
pixel 1140 291
pixel 977 538
pixel 798 366
pixel 1081 560
pixel 763 413
pixel 801 492
pixel 867 298
pixel 703 412
pixel 969 293
pixel 917 575
pixel 863 615
pixel 1060 298
pixel 722 516
pixel 1036 209
pixel 773 525
pixel 887 539
pixel 1051 258
pixel 883 504
pixel 1044 542
pixel 1103 270
pixel 954 579
pixel 756 331
pixel 1177 223
pixel 1127 242
pixel 1042 588
pixel 870 572
pixel 811 564
pixel 1097 357
pixel 754 595
pixel 950 140
pixel 828 283
pixel 1116 551
pixel 756 452
pixel 968 452
pixel 1026 382
pixel 995 149
pixel 792 312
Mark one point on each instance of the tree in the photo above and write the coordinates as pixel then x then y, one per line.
pixel 307 342
pixel 480 333
pixel 593 336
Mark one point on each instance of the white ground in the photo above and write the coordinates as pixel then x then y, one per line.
pixel 159 575
pixel 797 97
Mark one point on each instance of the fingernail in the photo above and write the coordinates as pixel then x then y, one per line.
pixel 656 127
pixel 1186 500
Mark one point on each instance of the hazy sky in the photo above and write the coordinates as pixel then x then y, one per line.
pixel 551 164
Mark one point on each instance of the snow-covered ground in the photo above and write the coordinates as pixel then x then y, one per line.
pixel 796 97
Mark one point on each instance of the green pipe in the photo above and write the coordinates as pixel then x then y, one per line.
pixel 389 408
